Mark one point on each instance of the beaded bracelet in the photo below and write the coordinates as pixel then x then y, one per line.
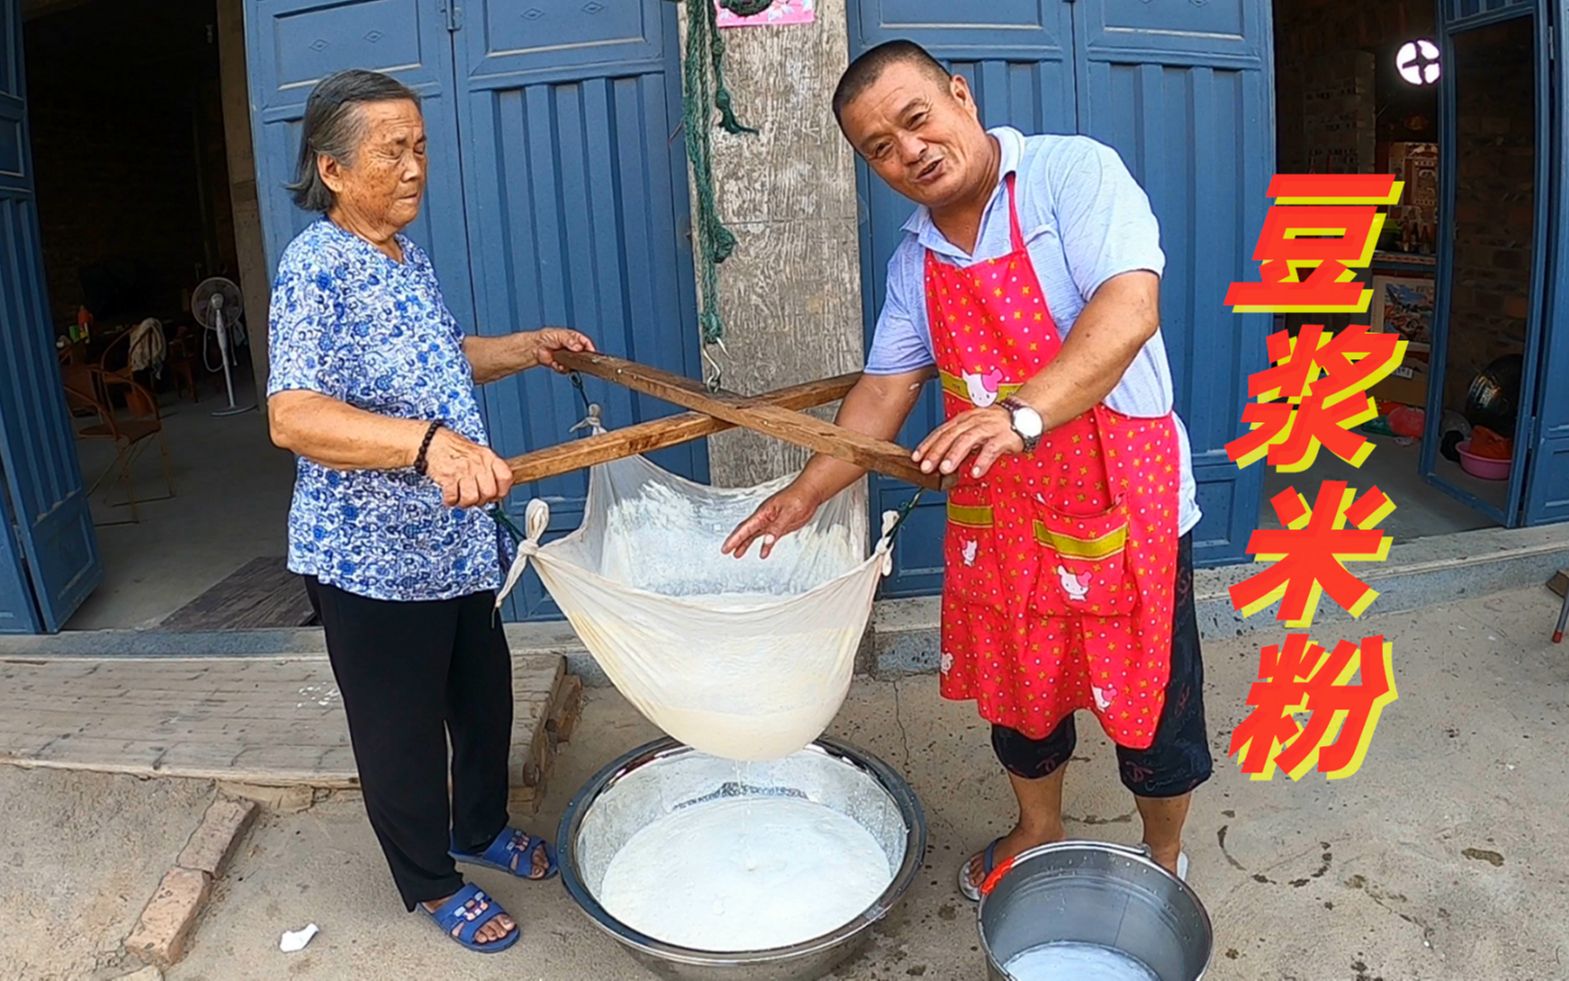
pixel 420 464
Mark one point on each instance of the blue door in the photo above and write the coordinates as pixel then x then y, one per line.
pixel 1473 36
pixel 1547 481
pixel 577 215
pixel 1184 91
pixel 1133 75
pixel 557 191
pixel 48 554
pixel 1018 57
pixel 291 45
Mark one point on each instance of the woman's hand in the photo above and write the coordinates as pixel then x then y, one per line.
pixel 553 339
pixel 785 512
pixel 470 475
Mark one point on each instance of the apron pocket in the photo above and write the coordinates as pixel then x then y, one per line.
pixel 1084 567
pixel 972 574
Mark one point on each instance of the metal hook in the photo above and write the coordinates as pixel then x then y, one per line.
pixel 717 377
pixel 591 421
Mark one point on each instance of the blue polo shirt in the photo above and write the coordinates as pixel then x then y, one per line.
pixel 1085 219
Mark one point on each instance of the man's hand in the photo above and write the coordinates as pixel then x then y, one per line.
pixel 553 339
pixel 785 512
pixel 469 475
pixel 988 433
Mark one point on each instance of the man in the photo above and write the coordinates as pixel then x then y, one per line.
pixel 1029 277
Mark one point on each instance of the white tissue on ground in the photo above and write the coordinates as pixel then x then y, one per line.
pixel 294 940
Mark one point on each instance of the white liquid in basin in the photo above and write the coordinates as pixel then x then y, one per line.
pixel 1068 961
pixel 752 874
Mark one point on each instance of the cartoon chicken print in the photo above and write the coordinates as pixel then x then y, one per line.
pixel 983 388
pixel 1077 587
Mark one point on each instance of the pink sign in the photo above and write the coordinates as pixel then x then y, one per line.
pixel 779 13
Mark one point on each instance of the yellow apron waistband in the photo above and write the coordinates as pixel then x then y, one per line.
pixel 954 385
pixel 1082 548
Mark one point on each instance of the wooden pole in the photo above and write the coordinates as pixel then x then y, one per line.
pixel 660 433
pixel 789 425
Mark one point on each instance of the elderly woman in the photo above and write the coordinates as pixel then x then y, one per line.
pixel 373 388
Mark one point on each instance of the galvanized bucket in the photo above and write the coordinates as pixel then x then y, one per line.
pixel 1097 893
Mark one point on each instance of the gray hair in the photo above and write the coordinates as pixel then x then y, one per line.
pixel 334 127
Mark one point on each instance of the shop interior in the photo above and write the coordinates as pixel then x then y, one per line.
pixel 1358 91
pixel 139 126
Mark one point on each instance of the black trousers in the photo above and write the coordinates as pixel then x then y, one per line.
pixel 1179 758
pixel 411 676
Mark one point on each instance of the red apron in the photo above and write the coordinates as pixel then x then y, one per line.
pixel 1061 563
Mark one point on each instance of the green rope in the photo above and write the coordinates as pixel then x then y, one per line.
pixel 705 91
pixel 499 515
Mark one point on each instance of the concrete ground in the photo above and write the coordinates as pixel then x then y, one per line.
pixel 80 853
pixel 231 504
pixel 1444 857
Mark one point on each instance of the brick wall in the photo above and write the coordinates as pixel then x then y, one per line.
pixel 1339 101
pixel 127 143
pixel 1333 66
pixel 1495 210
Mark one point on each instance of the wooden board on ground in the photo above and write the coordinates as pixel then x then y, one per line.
pixel 531 774
pixel 262 593
pixel 789 425
pixel 657 434
pixel 1560 582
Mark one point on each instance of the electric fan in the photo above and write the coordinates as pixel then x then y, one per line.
pixel 216 305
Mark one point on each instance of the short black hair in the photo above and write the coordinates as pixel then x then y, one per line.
pixel 334 127
pixel 866 69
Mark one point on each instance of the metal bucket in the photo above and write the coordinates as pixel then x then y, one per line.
pixel 1098 893
pixel 662 776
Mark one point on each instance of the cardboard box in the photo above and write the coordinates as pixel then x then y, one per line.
pixel 1407 384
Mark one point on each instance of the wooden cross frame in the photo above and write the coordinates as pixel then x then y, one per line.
pixel 775 414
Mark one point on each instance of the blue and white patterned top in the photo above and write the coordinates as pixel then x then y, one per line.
pixel 349 322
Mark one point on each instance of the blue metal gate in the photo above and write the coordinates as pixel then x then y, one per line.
pixel 1139 77
pixel 291 45
pixel 1018 57
pixel 577 213
pixel 1185 92
pixel 558 194
pixel 1547 484
pixel 48 553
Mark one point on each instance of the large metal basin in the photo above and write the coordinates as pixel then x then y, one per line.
pixel 658 778
pixel 1099 893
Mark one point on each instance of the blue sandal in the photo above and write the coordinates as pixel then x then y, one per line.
pixel 988 863
pixel 512 851
pixel 463 913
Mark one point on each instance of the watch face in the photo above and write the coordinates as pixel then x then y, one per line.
pixel 1028 422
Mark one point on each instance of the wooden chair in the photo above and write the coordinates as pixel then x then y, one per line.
pixel 92 388
pixel 184 356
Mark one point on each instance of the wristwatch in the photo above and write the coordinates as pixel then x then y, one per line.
pixel 1026 422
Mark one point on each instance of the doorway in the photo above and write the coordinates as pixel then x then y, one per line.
pixel 143 178
pixel 1365 89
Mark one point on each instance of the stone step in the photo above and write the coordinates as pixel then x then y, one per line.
pixel 902 637
pixel 257 721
